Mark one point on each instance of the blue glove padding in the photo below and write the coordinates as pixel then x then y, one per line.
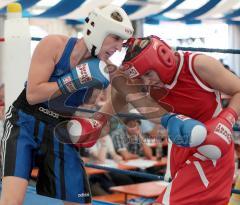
pixel 184 131
pixel 91 73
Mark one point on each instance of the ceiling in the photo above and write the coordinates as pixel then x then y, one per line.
pixel 151 11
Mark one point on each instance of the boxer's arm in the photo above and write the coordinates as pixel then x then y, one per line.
pixel 41 67
pixel 88 74
pixel 219 138
pixel 213 73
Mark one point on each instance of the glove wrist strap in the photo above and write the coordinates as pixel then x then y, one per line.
pixel 230 115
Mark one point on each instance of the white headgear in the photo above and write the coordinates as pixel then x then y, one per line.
pixel 101 22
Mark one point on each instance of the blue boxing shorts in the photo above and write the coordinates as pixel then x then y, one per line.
pixel 29 141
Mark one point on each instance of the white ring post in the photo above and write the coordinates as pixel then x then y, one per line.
pixel 16 52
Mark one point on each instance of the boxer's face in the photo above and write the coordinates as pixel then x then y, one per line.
pixel 151 78
pixel 110 45
pixel 133 127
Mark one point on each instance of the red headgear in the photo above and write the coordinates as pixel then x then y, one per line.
pixel 155 55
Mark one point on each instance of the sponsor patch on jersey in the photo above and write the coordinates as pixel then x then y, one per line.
pixel 131 72
pixel 84 73
pixel 224 132
pixel 48 112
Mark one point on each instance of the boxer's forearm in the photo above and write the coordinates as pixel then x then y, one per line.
pixel 141 101
pixel 234 103
pixel 42 92
pixel 115 104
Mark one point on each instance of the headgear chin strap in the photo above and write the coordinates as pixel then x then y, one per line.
pixel 150 53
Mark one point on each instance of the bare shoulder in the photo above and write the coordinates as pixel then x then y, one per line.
pixel 214 74
pixel 51 46
pixel 203 62
pixel 53 41
pixel 207 67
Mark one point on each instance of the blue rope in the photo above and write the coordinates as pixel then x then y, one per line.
pixel 236 127
pixel 217 50
pixel 127 172
pixel 36 39
pixel 235 191
pixel 135 116
pixel 137 174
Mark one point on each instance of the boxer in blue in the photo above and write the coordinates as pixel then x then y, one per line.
pixel 64 68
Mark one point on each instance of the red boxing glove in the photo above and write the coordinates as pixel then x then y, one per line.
pixel 85 132
pixel 219 137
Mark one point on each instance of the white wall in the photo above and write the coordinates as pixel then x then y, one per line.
pixel 16 57
pixel 54 26
pixel 218 35
pixel 138 28
pixel 234 43
pixel 51 27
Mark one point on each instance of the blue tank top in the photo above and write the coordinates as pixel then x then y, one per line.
pixel 61 68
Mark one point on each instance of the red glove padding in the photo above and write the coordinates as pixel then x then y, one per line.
pixel 85 132
pixel 219 138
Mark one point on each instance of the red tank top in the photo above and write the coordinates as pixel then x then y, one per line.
pixel 190 96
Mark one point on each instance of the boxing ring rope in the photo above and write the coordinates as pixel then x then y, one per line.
pixel 36 39
pixel 217 50
pixel 136 173
pixel 200 49
pixel 138 117
pixel 127 172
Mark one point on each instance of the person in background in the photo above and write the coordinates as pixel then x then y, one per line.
pixel 101 153
pixel 129 141
pixel 104 149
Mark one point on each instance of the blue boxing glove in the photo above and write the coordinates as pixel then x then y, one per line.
pixel 184 131
pixel 91 73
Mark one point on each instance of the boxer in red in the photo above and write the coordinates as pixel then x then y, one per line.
pixel 201 169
